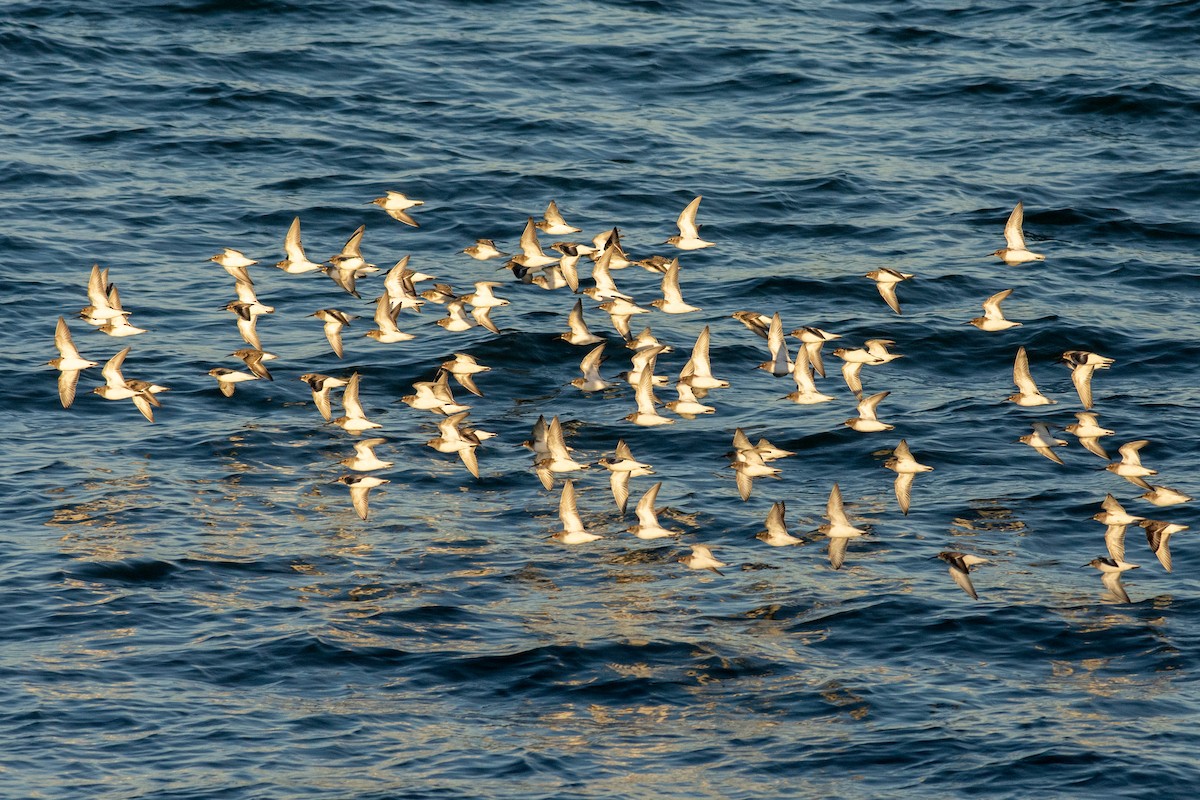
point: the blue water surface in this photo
(192, 607)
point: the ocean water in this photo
(193, 610)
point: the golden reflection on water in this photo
(990, 515)
(93, 529)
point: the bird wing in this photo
(963, 579)
(1114, 540)
(467, 382)
(114, 298)
(292, 246)
(352, 248)
(333, 333)
(383, 312)
(254, 363)
(112, 370)
(904, 484)
(645, 507)
(97, 290)
(851, 371)
(555, 217)
(575, 320)
(619, 481)
(529, 240)
(802, 371)
(469, 460)
(537, 437)
(813, 349)
(401, 216)
(745, 483)
(344, 278)
(366, 448)
(781, 361)
(991, 306)
(590, 365)
(358, 496)
(867, 406)
(481, 316)
(775, 519)
(67, 381)
(700, 359)
(1081, 376)
(394, 280)
(837, 551)
(321, 401)
(687, 220)
(602, 275)
(145, 402)
(245, 292)
(448, 427)
(247, 327)
(1110, 503)
(645, 392)
(684, 390)
(1021, 375)
(544, 474)
(1129, 452)
(570, 272)
(439, 388)
(350, 403)
(63, 341)
(887, 290)
(1048, 453)
(834, 509)
(1159, 543)
(567, 510)
(756, 322)
(670, 284)
(1013, 235)
(879, 347)
(556, 443)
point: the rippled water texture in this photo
(192, 608)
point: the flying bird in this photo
(776, 533)
(689, 232)
(886, 280)
(993, 318)
(1042, 440)
(360, 485)
(1083, 364)
(960, 569)
(906, 468)
(1014, 252)
(573, 531)
(69, 363)
(838, 529)
(1130, 466)
(396, 205)
(1027, 391)
(701, 557)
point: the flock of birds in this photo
(552, 457)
